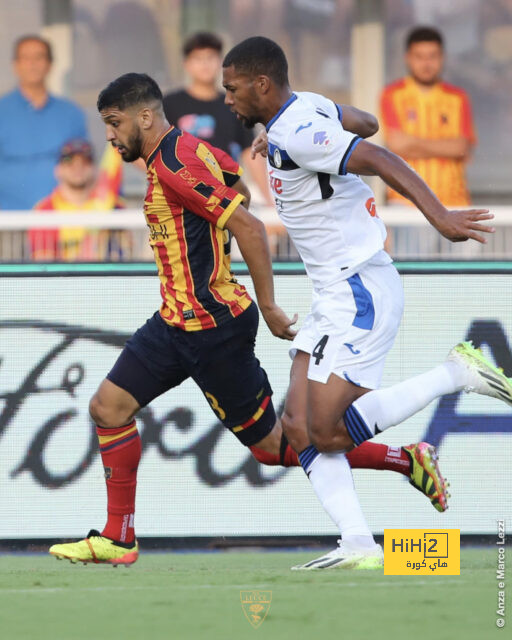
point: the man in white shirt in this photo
(338, 355)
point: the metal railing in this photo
(113, 236)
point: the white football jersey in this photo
(330, 215)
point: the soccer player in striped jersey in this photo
(207, 323)
(428, 122)
(334, 401)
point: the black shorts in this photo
(159, 357)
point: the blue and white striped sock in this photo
(307, 457)
(356, 426)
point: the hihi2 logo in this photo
(421, 552)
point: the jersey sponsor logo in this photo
(303, 126)
(320, 137)
(276, 184)
(277, 158)
(188, 177)
(371, 207)
(411, 115)
(157, 231)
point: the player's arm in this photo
(362, 123)
(251, 238)
(369, 159)
(240, 187)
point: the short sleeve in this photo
(195, 187)
(324, 147)
(231, 170)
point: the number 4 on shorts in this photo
(318, 351)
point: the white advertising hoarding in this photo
(59, 336)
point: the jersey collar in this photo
(151, 156)
(285, 106)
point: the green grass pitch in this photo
(181, 596)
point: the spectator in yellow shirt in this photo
(81, 188)
(428, 122)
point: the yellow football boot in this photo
(97, 549)
(426, 476)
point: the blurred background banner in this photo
(344, 49)
(195, 479)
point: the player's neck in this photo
(153, 138)
(36, 94)
(276, 102)
(201, 91)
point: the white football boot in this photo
(343, 558)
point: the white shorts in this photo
(352, 325)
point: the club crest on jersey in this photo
(277, 159)
(320, 137)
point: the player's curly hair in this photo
(129, 90)
(259, 56)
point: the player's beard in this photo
(249, 123)
(133, 146)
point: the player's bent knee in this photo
(328, 438)
(107, 415)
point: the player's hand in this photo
(260, 145)
(465, 224)
(279, 323)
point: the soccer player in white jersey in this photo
(334, 401)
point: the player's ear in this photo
(146, 118)
(262, 84)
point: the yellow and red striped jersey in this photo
(444, 111)
(188, 202)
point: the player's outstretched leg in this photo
(418, 462)
(97, 549)
(425, 474)
(465, 369)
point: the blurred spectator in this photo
(80, 190)
(33, 126)
(428, 122)
(199, 108)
